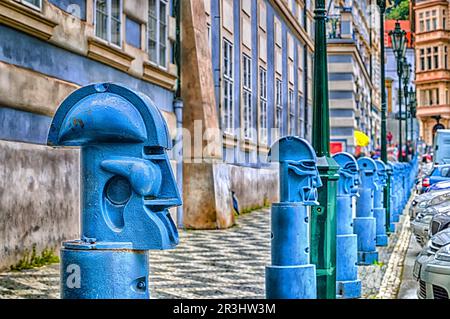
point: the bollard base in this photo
(346, 248)
(291, 282)
(392, 228)
(396, 218)
(367, 257)
(348, 289)
(382, 240)
(92, 273)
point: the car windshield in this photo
(443, 171)
(439, 199)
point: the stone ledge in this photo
(156, 75)
(102, 51)
(26, 20)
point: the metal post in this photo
(290, 274)
(323, 216)
(400, 144)
(405, 90)
(127, 188)
(386, 191)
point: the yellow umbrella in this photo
(361, 138)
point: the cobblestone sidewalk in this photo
(206, 264)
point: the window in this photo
(422, 59)
(35, 4)
(263, 105)
(227, 113)
(278, 106)
(421, 22)
(301, 120)
(429, 66)
(444, 19)
(446, 57)
(157, 32)
(436, 57)
(291, 112)
(108, 20)
(434, 19)
(247, 97)
(427, 20)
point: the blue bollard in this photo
(127, 186)
(398, 191)
(364, 223)
(290, 275)
(347, 285)
(390, 175)
(379, 212)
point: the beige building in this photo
(432, 45)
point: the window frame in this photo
(247, 94)
(228, 80)
(158, 35)
(263, 118)
(278, 118)
(32, 6)
(108, 23)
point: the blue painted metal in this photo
(379, 212)
(127, 186)
(347, 283)
(290, 275)
(393, 197)
(364, 225)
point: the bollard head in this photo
(349, 173)
(368, 172)
(299, 177)
(382, 173)
(127, 181)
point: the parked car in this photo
(421, 202)
(434, 282)
(439, 173)
(421, 224)
(439, 222)
(430, 285)
(438, 186)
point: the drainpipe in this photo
(178, 109)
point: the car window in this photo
(445, 172)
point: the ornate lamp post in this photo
(398, 37)
(387, 194)
(323, 216)
(406, 76)
(412, 111)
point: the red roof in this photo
(389, 25)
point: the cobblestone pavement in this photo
(393, 275)
(207, 264)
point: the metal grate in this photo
(439, 292)
(422, 289)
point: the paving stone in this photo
(226, 263)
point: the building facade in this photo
(432, 42)
(246, 75)
(354, 74)
(49, 48)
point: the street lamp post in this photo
(406, 75)
(323, 216)
(398, 37)
(387, 193)
(412, 111)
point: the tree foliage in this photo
(400, 11)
